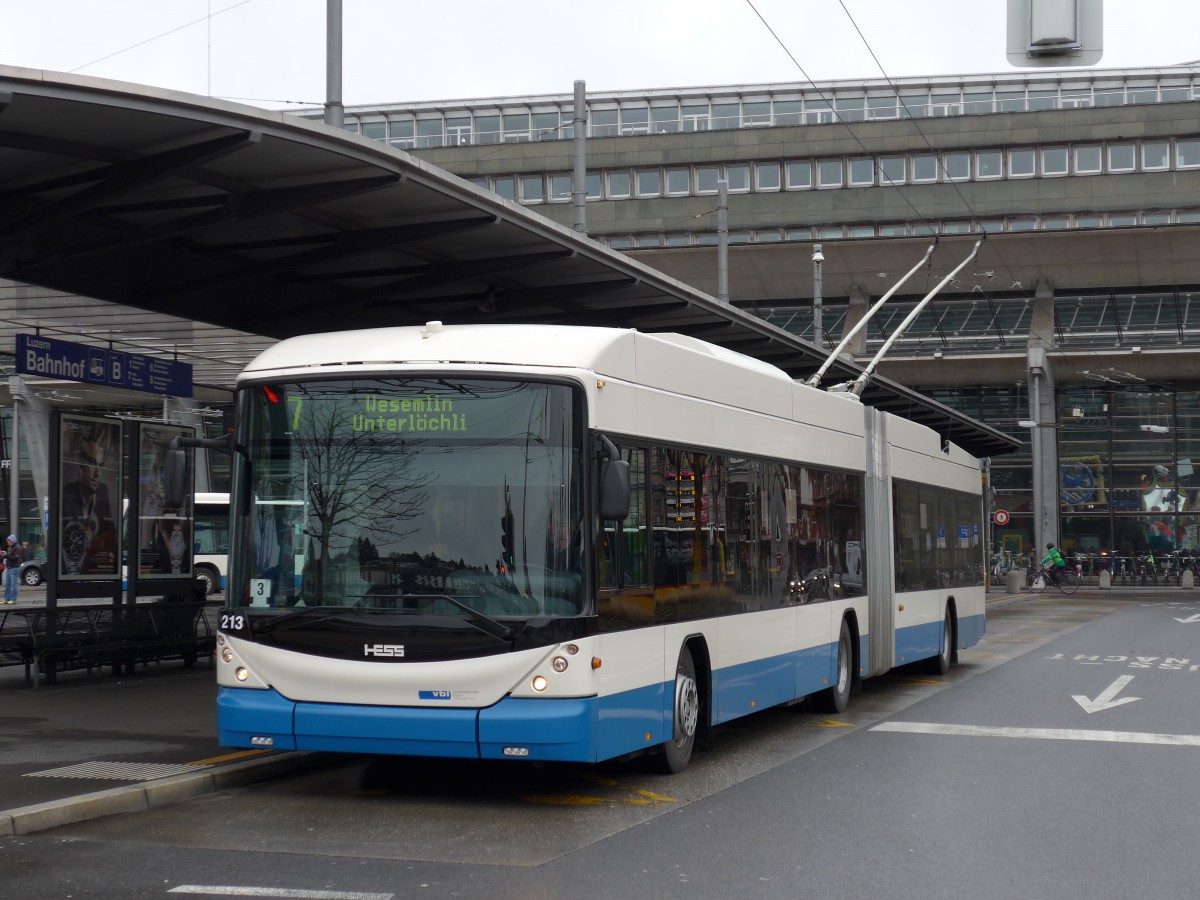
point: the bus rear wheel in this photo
(677, 752)
(836, 697)
(208, 577)
(940, 664)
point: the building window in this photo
(725, 115)
(1087, 159)
(924, 168)
(679, 182)
(817, 112)
(1089, 221)
(592, 185)
(1021, 163)
(799, 175)
(707, 178)
(402, 133)
(516, 128)
(895, 230)
(881, 107)
(545, 126)
(1156, 218)
(487, 129)
(1187, 154)
(602, 123)
(458, 131)
(648, 241)
(376, 131)
(649, 183)
(862, 172)
(1055, 223)
(1156, 155)
(850, 109)
(766, 176)
(695, 118)
(429, 132)
(738, 177)
(860, 231)
(679, 240)
(757, 112)
(789, 112)
(665, 119)
(891, 170)
(1023, 224)
(829, 233)
(1121, 158)
(533, 189)
(635, 120)
(958, 166)
(1010, 101)
(1043, 99)
(505, 186)
(829, 173)
(560, 187)
(946, 105)
(1054, 161)
(618, 184)
(989, 164)
(1122, 220)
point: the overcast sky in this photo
(271, 52)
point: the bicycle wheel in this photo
(1068, 582)
(1036, 582)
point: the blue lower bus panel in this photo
(566, 730)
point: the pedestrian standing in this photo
(13, 556)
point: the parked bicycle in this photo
(1066, 580)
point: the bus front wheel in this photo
(677, 752)
(836, 697)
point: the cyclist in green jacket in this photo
(1054, 563)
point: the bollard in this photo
(1013, 579)
(1105, 580)
(1187, 580)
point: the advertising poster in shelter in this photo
(164, 535)
(89, 498)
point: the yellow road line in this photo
(229, 757)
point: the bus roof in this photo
(606, 351)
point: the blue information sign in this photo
(54, 358)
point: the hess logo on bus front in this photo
(383, 650)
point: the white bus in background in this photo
(210, 540)
(499, 557)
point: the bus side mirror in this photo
(615, 492)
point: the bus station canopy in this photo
(272, 226)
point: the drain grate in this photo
(116, 771)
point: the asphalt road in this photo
(1055, 761)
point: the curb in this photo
(150, 794)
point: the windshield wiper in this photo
(263, 624)
(482, 621)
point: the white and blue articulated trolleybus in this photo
(570, 543)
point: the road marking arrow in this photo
(1105, 699)
(1195, 618)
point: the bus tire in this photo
(676, 752)
(940, 664)
(209, 577)
(836, 697)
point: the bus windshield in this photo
(427, 496)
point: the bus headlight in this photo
(559, 663)
(540, 683)
(242, 673)
(226, 654)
